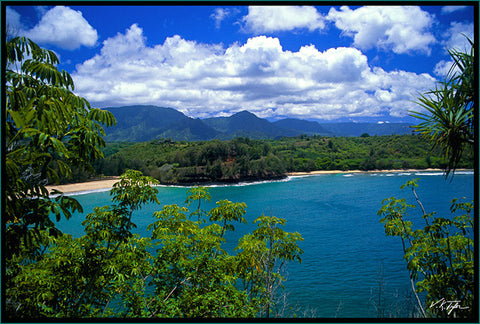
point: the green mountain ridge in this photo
(144, 123)
(247, 124)
(304, 126)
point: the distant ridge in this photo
(303, 126)
(357, 129)
(141, 123)
(247, 124)
(144, 123)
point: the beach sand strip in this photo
(292, 174)
(85, 186)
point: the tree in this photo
(449, 118)
(106, 272)
(101, 274)
(49, 131)
(197, 194)
(440, 256)
(196, 277)
(45, 124)
(264, 253)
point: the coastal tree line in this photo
(244, 159)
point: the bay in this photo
(349, 268)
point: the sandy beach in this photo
(106, 183)
(292, 174)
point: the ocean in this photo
(349, 268)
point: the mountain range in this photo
(145, 123)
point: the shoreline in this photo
(97, 184)
(108, 183)
(296, 174)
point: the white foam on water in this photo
(429, 173)
(85, 192)
(302, 176)
(250, 183)
(239, 184)
(464, 172)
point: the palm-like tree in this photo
(449, 119)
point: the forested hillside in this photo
(244, 159)
(146, 123)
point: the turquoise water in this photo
(347, 258)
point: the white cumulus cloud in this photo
(63, 27)
(450, 9)
(402, 29)
(267, 19)
(442, 68)
(455, 38)
(219, 14)
(258, 75)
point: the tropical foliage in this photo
(182, 270)
(440, 256)
(245, 159)
(448, 120)
(48, 131)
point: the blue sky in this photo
(330, 63)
